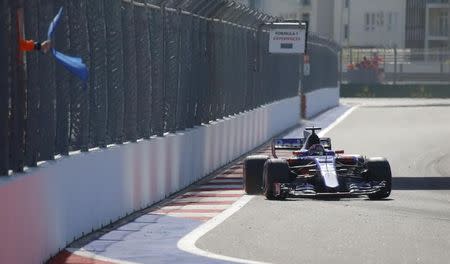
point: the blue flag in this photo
(74, 64)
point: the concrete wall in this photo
(318, 101)
(46, 208)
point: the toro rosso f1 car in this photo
(311, 168)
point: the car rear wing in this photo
(295, 144)
(286, 144)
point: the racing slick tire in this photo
(275, 171)
(253, 173)
(378, 169)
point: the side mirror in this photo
(339, 151)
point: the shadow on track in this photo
(421, 183)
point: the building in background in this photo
(437, 24)
(413, 24)
(368, 23)
(319, 13)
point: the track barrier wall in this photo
(46, 208)
(177, 89)
(318, 101)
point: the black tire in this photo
(253, 173)
(275, 171)
(378, 169)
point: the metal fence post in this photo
(32, 122)
(395, 64)
(5, 22)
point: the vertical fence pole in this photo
(5, 20)
(395, 64)
(17, 93)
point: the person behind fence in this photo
(31, 45)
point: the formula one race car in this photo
(312, 168)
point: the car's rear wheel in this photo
(378, 169)
(275, 171)
(253, 173)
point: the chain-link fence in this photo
(155, 67)
(396, 66)
(323, 58)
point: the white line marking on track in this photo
(187, 243)
(339, 120)
(92, 256)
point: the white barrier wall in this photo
(48, 207)
(316, 102)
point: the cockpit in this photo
(316, 150)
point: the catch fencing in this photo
(391, 65)
(156, 66)
(324, 63)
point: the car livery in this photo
(311, 168)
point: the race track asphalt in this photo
(413, 226)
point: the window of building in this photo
(372, 22)
(306, 2)
(347, 3)
(346, 31)
(380, 19)
(443, 23)
(366, 21)
(305, 16)
(389, 21)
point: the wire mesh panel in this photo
(157, 54)
(47, 88)
(98, 79)
(129, 71)
(171, 70)
(324, 65)
(5, 79)
(154, 67)
(114, 71)
(63, 81)
(79, 112)
(16, 97)
(32, 86)
(143, 72)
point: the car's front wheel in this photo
(378, 170)
(275, 171)
(253, 173)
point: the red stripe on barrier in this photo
(222, 183)
(216, 189)
(212, 195)
(187, 211)
(201, 203)
(66, 257)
